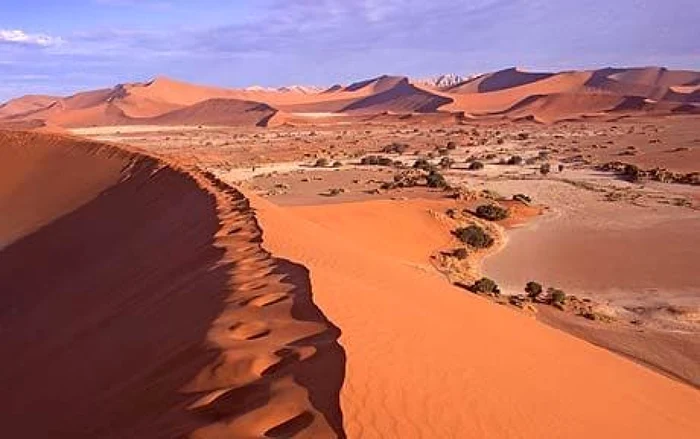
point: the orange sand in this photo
(424, 359)
(144, 307)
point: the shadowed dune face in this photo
(145, 307)
(34, 165)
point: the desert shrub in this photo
(395, 147)
(515, 160)
(556, 296)
(474, 236)
(491, 156)
(522, 198)
(533, 289)
(337, 164)
(491, 212)
(545, 168)
(476, 165)
(632, 173)
(436, 180)
(446, 162)
(523, 136)
(423, 164)
(461, 253)
(485, 285)
(561, 168)
(451, 145)
(321, 163)
(334, 192)
(375, 160)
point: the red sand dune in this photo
(228, 112)
(137, 302)
(26, 104)
(500, 80)
(492, 94)
(425, 359)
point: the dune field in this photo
(179, 260)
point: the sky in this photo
(59, 47)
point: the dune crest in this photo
(142, 305)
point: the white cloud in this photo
(16, 36)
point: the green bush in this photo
(515, 160)
(376, 160)
(533, 289)
(485, 285)
(476, 166)
(556, 296)
(474, 236)
(423, 164)
(436, 180)
(491, 212)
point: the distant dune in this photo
(220, 111)
(499, 94)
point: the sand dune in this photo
(487, 95)
(425, 359)
(401, 97)
(26, 104)
(137, 302)
(500, 80)
(228, 112)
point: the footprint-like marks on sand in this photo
(248, 330)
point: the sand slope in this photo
(226, 112)
(144, 306)
(424, 359)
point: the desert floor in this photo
(630, 249)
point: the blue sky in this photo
(58, 47)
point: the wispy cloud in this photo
(20, 37)
(276, 42)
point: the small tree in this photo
(491, 212)
(545, 168)
(556, 296)
(474, 236)
(486, 286)
(436, 180)
(533, 289)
